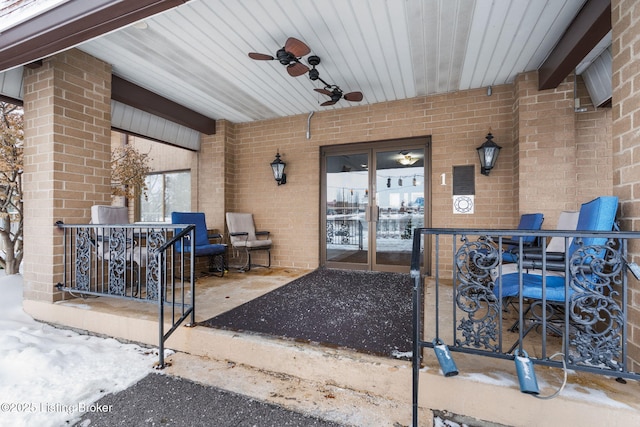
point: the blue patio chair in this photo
(583, 254)
(555, 250)
(531, 221)
(215, 252)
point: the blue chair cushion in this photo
(510, 256)
(204, 250)
(529, 222)
(203, 247)
(510, 286)
(532, 286)
(596, 215)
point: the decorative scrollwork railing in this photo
(575, 307)
(595, 311)
(134, 262)
(475, 295)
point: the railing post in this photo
(417, 324)
(161, 288)
(193, 276)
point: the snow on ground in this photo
(49, 375)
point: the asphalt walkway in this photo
(163, 400)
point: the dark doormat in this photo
(364, 311)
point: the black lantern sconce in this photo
(278, 170)
(488, 153)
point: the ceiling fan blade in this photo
(296, 47)
(260, 56)
(297, 69)
(326, 104)
(353, 96)
(323, 91)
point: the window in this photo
(167, 192)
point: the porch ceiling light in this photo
(407, 159)
(278, 170)
(488, 154)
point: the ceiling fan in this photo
(336, 94)
(332, 91)
(288, 55)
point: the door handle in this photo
(375, 214)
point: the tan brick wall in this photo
(544, 142)
(546, 148)
(457, 123)
(626, 144)
(594, 155)
(562, 158)
(67, 139)
(211, 165)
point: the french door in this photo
(373, 196)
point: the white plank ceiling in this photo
(196, 53)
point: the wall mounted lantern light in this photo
(488, 153)
(278, 170)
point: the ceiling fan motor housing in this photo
(284, 57)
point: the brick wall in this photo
(546, 154)
(626, 144)
(456, 122)
(544, 142)
(211, 191)
(67, 153)
(594, 155)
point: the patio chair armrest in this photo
(515, 242)
(536, 255)
(262, 233)
(509, 241)
(238, 234)
(554, 261)
(214, 236)
(537, 265)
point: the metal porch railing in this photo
(345, 232)
(353, 232)
(470, 312)
(133, 262)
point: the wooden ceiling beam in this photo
(145, 100)
(591, 24)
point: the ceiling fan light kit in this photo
(291, 53)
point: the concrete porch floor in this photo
(342, 385)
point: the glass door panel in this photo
(373, 197)
(347, 201)
(399, 201)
